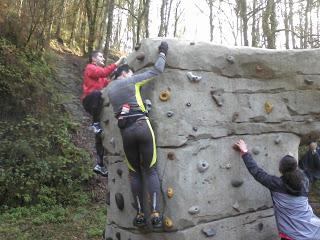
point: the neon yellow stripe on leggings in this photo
(128, 164)
(154, 157)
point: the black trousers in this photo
(93, 105)
(140, 150)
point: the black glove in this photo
(163, 47)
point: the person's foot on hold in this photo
(101, 170)
(156, 221)
(96, 127)
(140, 220)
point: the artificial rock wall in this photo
(217, 95)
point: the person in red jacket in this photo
(96, 77)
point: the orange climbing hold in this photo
(268, 107)
(170, 192)
(164, 95)
(168, 222)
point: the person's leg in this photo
(99, 167)
(131, 150)
(147, 148)
(93, 105)
(99, 149)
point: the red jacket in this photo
(96, 78)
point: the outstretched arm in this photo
(267, 180)
(98, 72)
(158, 68)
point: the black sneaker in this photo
(140, 221)
(157, 222)
(101, 170)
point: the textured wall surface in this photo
(269, 98)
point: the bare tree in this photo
(92, 10)
(269, 24)
(177, 15)
(109, 28)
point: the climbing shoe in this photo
(101, 170)
(156, 221)
(139, 221)
(96, 127)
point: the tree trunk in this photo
(92, 16)
(177, 16)
(306, 24)
(146, 18)
(162, 18)
(60, 19)
(244, 17)
(254, 42)
(167, 19)
(210, 3)
(109, 28)
(293, 40)
(269, 24)
(286, 24)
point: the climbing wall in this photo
(209, 97)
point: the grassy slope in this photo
(83, 218)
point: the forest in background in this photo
(121, 24)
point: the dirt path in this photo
(68, 72)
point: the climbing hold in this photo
(188, 104)
(202, 165)
(164, 95)
(230, 59)
(137, 46)
(140, 56)
(171, 156)
(119, 172)
(112, 142)
(259, 68)
(268, 107)
(119, 201)
(168, 222)
(308, 81)
(194, 210)
(277, 140)
(169, 113)
(236, 206)
(170, 192)
(309, 120)
(217, 96)
(193, 78)
(255, 150)
(260, 227)
(235, 116)
(195, 129)
(236, 183)
(148, 104)
(227, 166)
(118, 236)
(208, 231)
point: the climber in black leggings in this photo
(137, 134)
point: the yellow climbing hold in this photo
(164, 95)
(168, 222)
(268, 107)
(170, 192)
